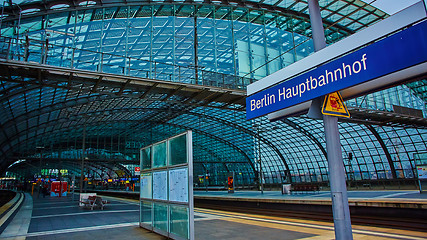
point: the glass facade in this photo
(207, 45)
(198, 43)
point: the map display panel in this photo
(160, 187)
(146, 185)
(178, 185)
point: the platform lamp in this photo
(258, 131)
(40, 149)
(83, 159)
(85, 117)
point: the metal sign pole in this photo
(340, 208)
(73, 184)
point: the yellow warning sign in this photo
(334, 105)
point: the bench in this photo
(94, 201)
(305, 188)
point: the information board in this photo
(178, 187)
(160, 185)
(422, 172)
(146, 185)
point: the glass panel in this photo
(161, 216)
(179, 221)
(146, 158)
(146, 217)
(159, 155)
(178, 150)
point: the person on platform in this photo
(45, 190)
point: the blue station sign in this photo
(396, 52)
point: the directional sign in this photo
(137, 170)
(334, 105)
(397, 52)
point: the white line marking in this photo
(206, 216)
(393, 195)
(127, 201)
(320, 194)
(82, 229)
(61, 207)
(37, 205)
(77, 206)
(84, 213)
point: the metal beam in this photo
(308, 134)
(385, 149)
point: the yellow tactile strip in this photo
(6, 206)
(323, 230)
(392, 203)
(19, 197)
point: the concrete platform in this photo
(392, 198)
(62, 218)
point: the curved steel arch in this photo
(219, 139)
(308, 134)
(62, 105)
(210, 136)
(95, 164)
(15, 168)
(242, 129)
(24, 88)
(53, 123)
(253, 134)
(209, 151)
(384, 148)
(56, 106)
(121, 167)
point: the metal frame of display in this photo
(149, 184)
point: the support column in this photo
(340, 208)
(260, 175)
(196, 47)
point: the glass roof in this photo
(348, 15)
